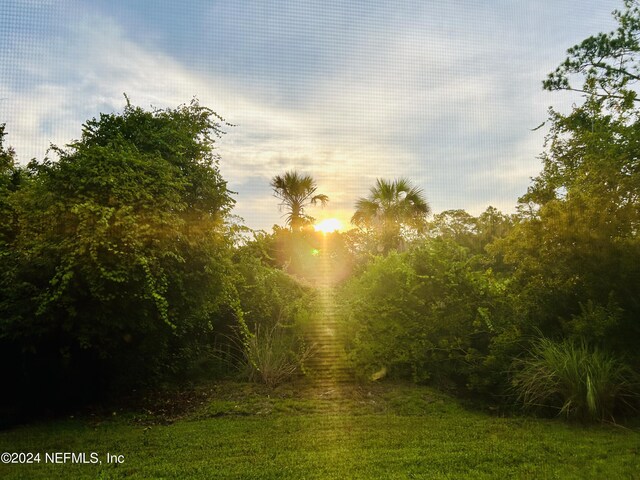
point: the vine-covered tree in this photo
(10, 177)
(297, 192)
(121, 254)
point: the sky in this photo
(445, 93)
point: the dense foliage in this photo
(475, 303)
(430, 314)
(118, 262)
(119, 266)
(276, 309)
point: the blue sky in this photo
(445, 93)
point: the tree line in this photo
(121, 265)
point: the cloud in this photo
(443, 95)
(100, 63)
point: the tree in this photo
(575, 253)
(10, 178)
(468, 231)
(608, 62)
(457, 225)
(297, 192)
(391, 209)
(120, 264)
(581, 244)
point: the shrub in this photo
(578, 381)
(273, 311)
(425, 315)
(272, 355)
(120, 256)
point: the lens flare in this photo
(329, 225)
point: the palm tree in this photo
(390, 208)
(297, 192)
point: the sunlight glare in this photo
(328, 225)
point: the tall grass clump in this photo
(272, 355)
(579, 381)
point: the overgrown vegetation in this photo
(116, 260)
(120, 266)
(462, 305)
(427, 314)
(274, 311)
(272, 355)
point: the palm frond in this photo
(296, 192)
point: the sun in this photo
(328, 225)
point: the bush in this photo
(272, 355)
(118, 258)
(426, 315)
(273, 311)
(578, 381)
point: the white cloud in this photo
(101, 64)
(450, 110)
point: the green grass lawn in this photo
(380, 431)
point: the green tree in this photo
(474, 233)
(607, 62)
(119, 266)
(11, 176)
(575, 253)
(457, 225)
(579, 241)
(296, 193)
(392, 209)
